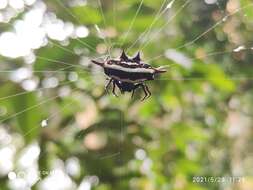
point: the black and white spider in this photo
(128, 74)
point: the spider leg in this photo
(118, 85)
(148, 91)
(113, 89)
(108, 85)
(133, 91)
(145, 91)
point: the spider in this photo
(128, 74)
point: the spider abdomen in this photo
(131, 77)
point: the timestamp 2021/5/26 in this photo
(217, 179)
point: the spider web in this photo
(143, 39)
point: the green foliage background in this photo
(198, 121)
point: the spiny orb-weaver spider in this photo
(128, 74)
